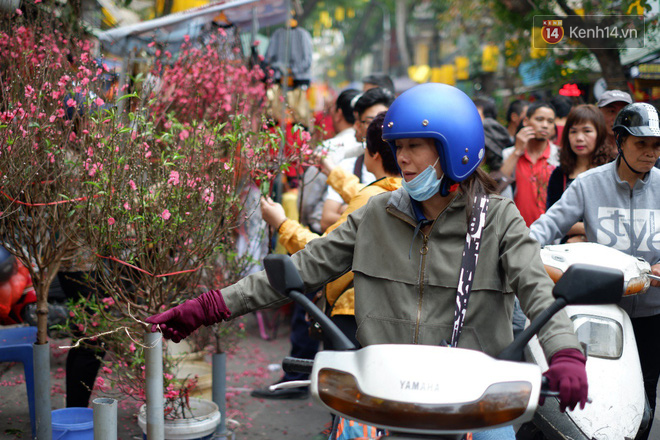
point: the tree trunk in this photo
(611, 68)
(308, 8)
(42, 287)
(357, 43)
(42, 313)
(401, 18)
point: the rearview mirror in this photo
(580, 284)
(282, 274)
(588, 284)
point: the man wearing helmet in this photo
(409, 287)
(620, 205)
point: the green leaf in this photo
(96, 184)
(130, 95)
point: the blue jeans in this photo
(505, 433)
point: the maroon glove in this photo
(179, 322)
(568, 375)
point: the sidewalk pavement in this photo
(247, 369)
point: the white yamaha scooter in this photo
(619, 410)
(432, 392)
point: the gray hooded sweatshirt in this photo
(614, 215)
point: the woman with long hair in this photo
(584, 147)
(405, 249)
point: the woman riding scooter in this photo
(405, 248)
(619, 203)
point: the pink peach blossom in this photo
(174, 178)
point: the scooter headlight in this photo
(500, 403)
(602, 336)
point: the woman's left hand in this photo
(568, 375)
(272, 212)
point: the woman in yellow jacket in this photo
(379, 161)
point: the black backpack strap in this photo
(469, 263)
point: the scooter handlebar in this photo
(545, 388)
(297, 365)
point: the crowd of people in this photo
(405, 177)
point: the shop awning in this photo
(170, 31)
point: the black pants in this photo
(82, 363)
(302, 345)
(648, 344)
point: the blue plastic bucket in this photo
(73, 424)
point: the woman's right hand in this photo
(179, 322)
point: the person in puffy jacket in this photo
(404, 248)
(379, 160)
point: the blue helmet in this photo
(445, 114)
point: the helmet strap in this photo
(627, 164)
(445, 186)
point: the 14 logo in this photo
(552, 31)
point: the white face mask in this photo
(425, 185)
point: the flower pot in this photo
(200, 426)
(182, 351)
(188, 369)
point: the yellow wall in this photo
(182, 5)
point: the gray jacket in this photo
(300, 53)
(608, 207)
(411, 299)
